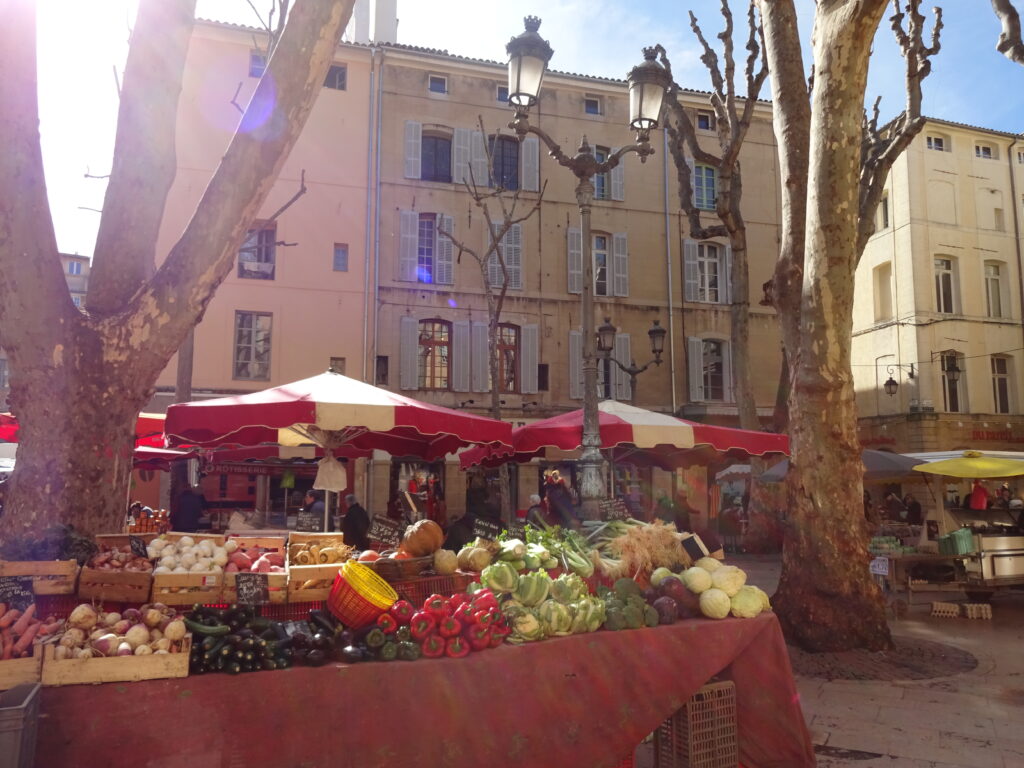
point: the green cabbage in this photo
(715, 604)
(729, 579)
(746, 603)
(500, 577)
(696, 579)
(526, 628)
(532, 588)
(659, 575)
(709, 564)
(568, 588)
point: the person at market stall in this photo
(536, 511)
(559, 501)
(913, 507)
(979, 496)
(893, 507)
(460, 531)
(356, 524)
(191, 505)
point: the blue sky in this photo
(81, 42)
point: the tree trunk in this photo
(826, 599)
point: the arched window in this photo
(508, 357)
(434, 358)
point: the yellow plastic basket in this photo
(369, 585)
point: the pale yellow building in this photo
(938, 297)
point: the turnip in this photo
(142, 650)
(152, 617)
(125, 649)
(62, 652)
(220, 556)
(198, 568)
(85, 653)
(121, 627)
(188, 560)
(154, 635)
(157, 653)
(134, 615)
(180, 569)
(137, 635)
(83, 617)
(230, 546)
(161, 569)
(163, 644)
(98, 633)
(73, 637)
(175, 631)
(107, 645)
(110, 619)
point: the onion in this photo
(163, 644)
(107, 645)
(158, 544)
(161, 569)
(85, 653)
(137, 635)
(111, 618)
(134, 615)
(168, 561)
(186, 541)
(175, 630)
(188, 560)
(83, 617)
(125, 649)
(180, 569)
(220, 557)
(142, 650)
(230, 546)
(152, 617)
(199, 568)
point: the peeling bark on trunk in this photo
(78, 380)
(826, 598)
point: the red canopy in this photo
(149, 429)
(625, 429)
(357, 414)
(146, 457)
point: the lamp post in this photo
(528, 56)
(606, 346)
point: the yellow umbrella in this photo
(974, 464)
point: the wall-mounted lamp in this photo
(464, 403)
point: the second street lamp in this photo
(606, 346)
(528, 56)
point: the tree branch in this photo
(1009, 44)
(145, 162)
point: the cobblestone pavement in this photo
(963, 718)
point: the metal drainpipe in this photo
(367, 228)
(376, 246)
(668, 274)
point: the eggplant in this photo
(345, 637)
(323, 622)
(321, 642)
(350, 654)
(316, 658)
(301, 642)
(299, 655)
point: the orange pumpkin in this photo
(422, 538)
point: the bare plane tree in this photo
(78, 379)
(501, 210)
(1010, 43)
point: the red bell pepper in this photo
(498, 635)
(479, 637)
(433, 646)
(464, 614)
(402, 611)
(456, 600)
(387, 623)
(437, 607)
(456, 647)
(484, 600)
(422, 624)
(449, 626)
(483, 618)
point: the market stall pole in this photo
(583, 700)
(528, 56)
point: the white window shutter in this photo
(408, 242)
(529, 358)
(460, 356)
(481, 365)
(444, 262)
(478, 159)
(530, 153)
(623, 391)
(513, 252)
(575, 365)
(695, 366)
(958, 307)
(728, 395)
(460, 155)
(620, 264)
(413, 148)
(575, 261)
(494, 276)
(409, 350)
(618, 179)
(691, 275)
(726, 278)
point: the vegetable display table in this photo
(584, 700)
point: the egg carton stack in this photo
(977, 611)
(189, 568)
(946, 610)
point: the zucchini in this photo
(215, 652)
(201, 629)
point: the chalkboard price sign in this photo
(517, 531)
(309, 521)
(614, 509)
(486, 529)
(385, 533)
(138, 545)
(252, 588)
(16, 591)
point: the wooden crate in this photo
(115, 669)
(108, 541)
(214, 538)
(49, 577)
(187, 588)
(17, 671)
(300, 574)
(320, 539)
(115, 586)
(272, 543)
(277, 586)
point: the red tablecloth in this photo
(585, 701)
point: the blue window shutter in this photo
(623, 391)
(531, 164)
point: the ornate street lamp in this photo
(606, 345)
(528, 56)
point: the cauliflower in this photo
(729, 579)
(696, 579)
(709, 564)
(714, 603)
(747, 603)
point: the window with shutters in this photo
(503, 93)
(425, 255)
(74, 267)
(252, 346)
(434, 354)
(257, 64)
(952, 393)
(712, 369)
(505, 158)
(1001, 383)
(602, 185)
(946, 299)
(341, 257)
(601, 265)
(704, 187)
(592, 105)
(436, 156)
(512, 254)
(508, 357)
(337, 77)
(993, 289)
(257, 256)
(426, 247)
(709, 270)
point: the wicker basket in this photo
(401, 570)
(359, 595)
(703, 733)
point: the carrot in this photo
(3, 608)
(50, 628)
(9, 618)
(21, 625)
(8, 645)
(25, 641)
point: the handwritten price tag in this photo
(252, 588)
(16, 591)
(385, 533)
(486, 529)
